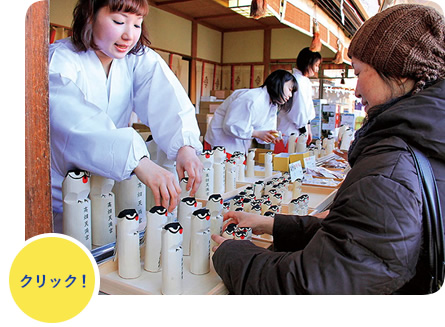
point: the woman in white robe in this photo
(297, 120)
(96, 79)
(251, 113)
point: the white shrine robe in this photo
(90, 112)
(234, 121)
(302, 110)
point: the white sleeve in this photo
(161, 103)
(285, 123)
(270, 123)
(310, 110)
(238, 119)
(296, 117)
(302, 110)
(83, 136)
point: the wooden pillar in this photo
(232, 77)
(222, 62)
(170, 60)
(38, 210)
(214, 76)
(266, 53)
(202, 77)
(193, 62)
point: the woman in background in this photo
(297, 120)
(251, 113)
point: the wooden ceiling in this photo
(215, 14)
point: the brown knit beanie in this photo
(405, 40)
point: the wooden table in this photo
(150, 283)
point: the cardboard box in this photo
(281, 161)
(221, 94)
(209, 107)
(298, 156)
(143, 130)
(203, 122)
(259, 154)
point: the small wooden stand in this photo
(150, 283)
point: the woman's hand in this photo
(322, 214)
(188, 161)
(164, 185)
(341, 153)
(271, 136)
(309, 134)
(259, 224)
(218, 239)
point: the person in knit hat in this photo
(404, 41)
(371, 241)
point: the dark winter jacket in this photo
(371, 240)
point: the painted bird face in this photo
(216, 198)
(207, 153)
(190, 201)
(79, 174)
(129, 214)
(160, 210)
(202, 214)
(174, 228)
(229, 232)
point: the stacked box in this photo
(281, 161)
(203, 122)
(209, 107)
(221, 94)
(259, 155)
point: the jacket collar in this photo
(417, 119)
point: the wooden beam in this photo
(224, 3)
(182, 15)
(214, 77)
(232, 77)
(216, 16)
(172, 2)
(257, 28)
(193, 62)
(202, 77)
(38, 210)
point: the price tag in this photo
(295, 170)
(309, 162)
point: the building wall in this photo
(286, 43)
(61, 11)
(244, 46)
(209, 44)
(169, 32)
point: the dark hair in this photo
(85, 13)
(275, 85)
(307, 59)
